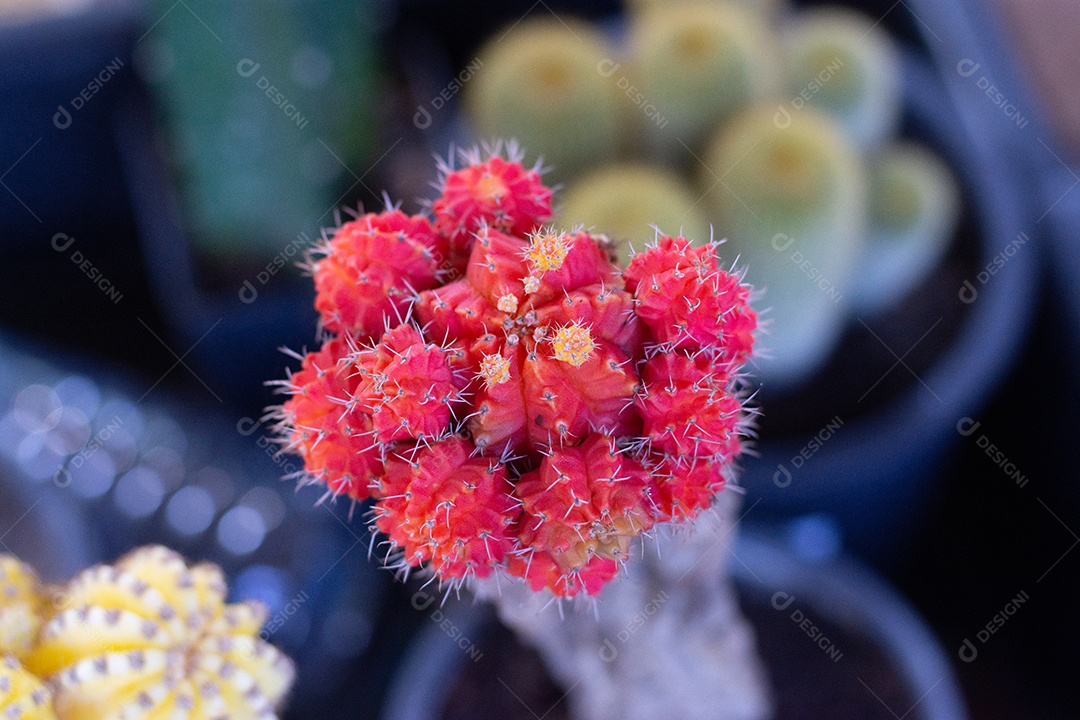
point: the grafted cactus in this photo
(536, 408)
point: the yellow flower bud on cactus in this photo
(151, 637)
(22, 696)
(20, 606)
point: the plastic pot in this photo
(101, 463)
(858, 622)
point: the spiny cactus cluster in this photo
(776, 123)
(509, 397)
(147, 637)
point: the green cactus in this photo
(768, 8)
(914, 210)
(541, 84)
(627, 201)
(792, 202)
(844, 64)
(699, 64)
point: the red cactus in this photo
(497, 194)
(686, 407)
(581, 509)
(370, 268)
(446, 507)
(328, 431)
(549, 408)
(408, 387)
(687, 302)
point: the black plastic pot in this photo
(871, 468)
(841, 598)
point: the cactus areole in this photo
(509, 398)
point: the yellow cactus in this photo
(21, 602)
(150, 637)
(22, 695)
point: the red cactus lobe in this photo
(449, 508)
(330, 433)
(581, 509)
(408, 387)
(688, 408)
(681, 488)
(498, 194)
(687, 302)
(370, 269)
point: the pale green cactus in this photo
(792, 201)
(542, 83)
(698, 64)
(767, 8)
(914, 210)
(844, 64)
(627, 201)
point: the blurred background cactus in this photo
(914, 210)
(695, 87)
(542, 84)
(843, 63)
(699, 64)
(627, 202)
(792, 202)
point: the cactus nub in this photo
(699, 64)
(793, 205)
(848, 67)
(915, 207)
(540, 84)
(626, 202)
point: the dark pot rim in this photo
(843, 591)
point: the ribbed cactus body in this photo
(699, 64)
(793, 207)
(152, 637)
(844, 64)
(914, 210)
